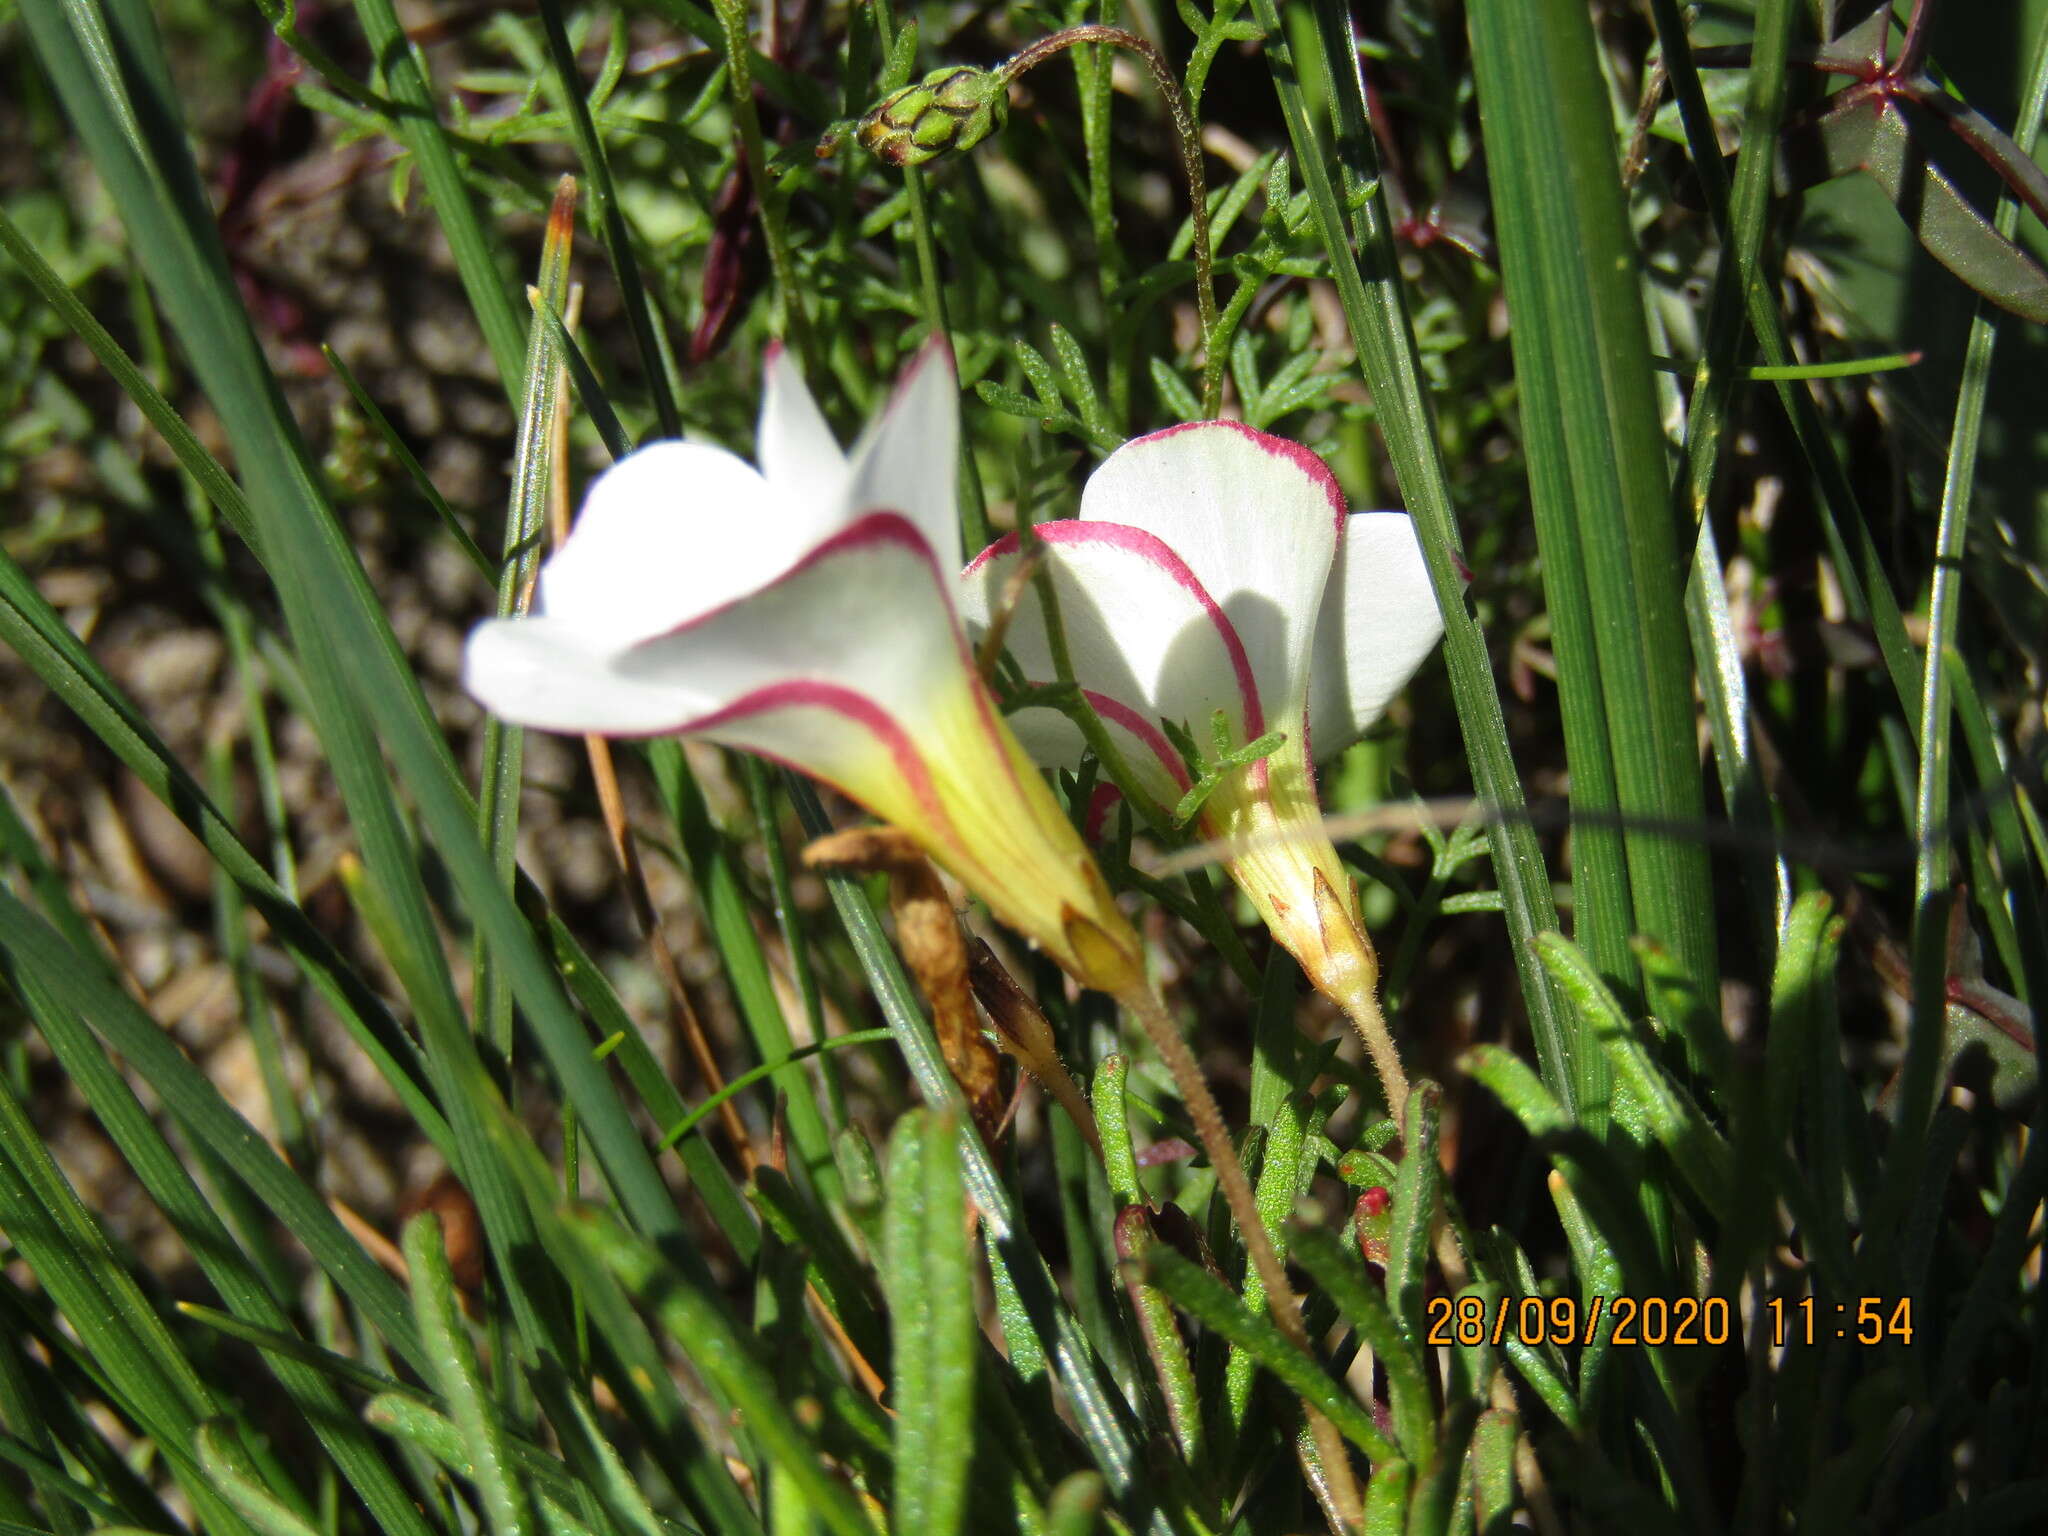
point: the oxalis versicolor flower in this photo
(804, 610)
(1217, 568)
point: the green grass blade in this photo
(38, 635)
(1696, 1149)
(526, 532)
(719, 1349)
(239, 1284)
(191, 454)
(1721, 367)
(1599, 477)
(418, 127)
(415, 471)
(789, 922)
(611, 1023)
(641, 317)
(149, 1377)
(82, 986)
(1416, 1193)
(228, 1467)
(371, 700)
(1920, 1076)
(713, 867)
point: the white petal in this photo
(666, 534)
(857, 643)
(908, 461)
(545, 672)
(1254, 517)
(798, 452)
(1379, 622)
(1143, 636)
(860, 627)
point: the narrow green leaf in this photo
(713, 866)
(145, 1372)
(1415, 1206)
(1386, 1498)
(239, 1282)
(718, 1348)
(409, 462)
(930, 1280)
(1435, 1500)
(1397, 1352)
(1205, 1299)
(191, 454)
(610, 1021)
(1019, 1268)
(1076, 1506)
(227, 1465)
(1113, 1129)
(526, 524)
(37, 634)
(641, 317)
(1279, 1179)
(829, 1264)
(85, 989)
(1702, 1158)
(1493, 1471)
(452, 1366)
(1161, 1334)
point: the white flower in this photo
(804, 611)
(1214, 567)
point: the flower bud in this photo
(951, 108)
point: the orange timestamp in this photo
(1866, 1320)
(1657, 1321)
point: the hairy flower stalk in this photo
(805, 611)
(1215, 590)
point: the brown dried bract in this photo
(1026, 1035)
(929, 939)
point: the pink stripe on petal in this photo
(807, 693)
(1121, 715)
(871, 530)
(1105, 799)
(1301, 458)
(1157, 553)
(1006, 545)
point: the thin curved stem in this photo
(739, 53)
(1362, 1008)
(1214, 1135)
(1191, 166)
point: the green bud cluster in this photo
(955, 107)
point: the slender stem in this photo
(1281, 1301)
(974, 530)
(1361, 1005)
(1092, 73)
(739, 61)
(1914, 49)
(1191, 166)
